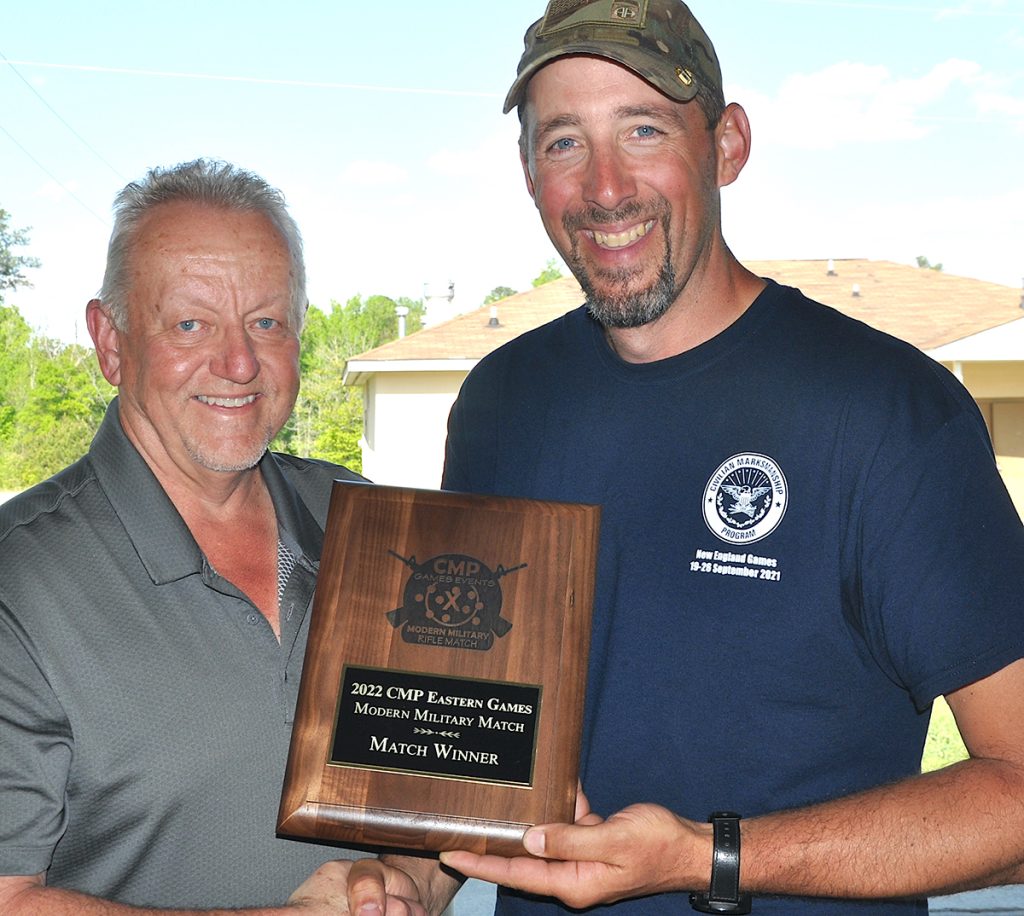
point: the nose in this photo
(235, 358)
(609, 180)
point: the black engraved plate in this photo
(436, 726)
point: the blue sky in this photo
(881, 129)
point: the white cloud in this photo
(855, 103)
(462, 214)
(973, 236)
(478, 161)
(367, 173)
(975, 8)
(998, 104)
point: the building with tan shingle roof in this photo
(973, 327)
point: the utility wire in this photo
(304, 84)
(83, 204)
(949, 12)
(58, 116)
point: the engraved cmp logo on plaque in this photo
(452, 601)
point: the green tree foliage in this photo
(499, 292)
(11, 264)
(550, 272)
(14, 372)
(925, 264)
(52, 398)
(328, 418)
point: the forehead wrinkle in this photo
(668, 111)
(224, 263)
(210, 280)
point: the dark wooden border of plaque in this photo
(441, 702)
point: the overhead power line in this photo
(946, 11)
(45, 170)
(217, 77)
(58, 116)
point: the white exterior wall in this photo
(405, 426)
(991, 380)
(998, 387)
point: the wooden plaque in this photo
(442, 692)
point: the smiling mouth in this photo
(614, 240)
(225, 402)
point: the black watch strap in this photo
(724, 895)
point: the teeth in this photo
(622, 239)
(225, 402)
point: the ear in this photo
(106, 340)
(732, 137)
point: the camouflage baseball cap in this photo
(659, 40)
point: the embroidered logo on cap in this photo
(629, 12)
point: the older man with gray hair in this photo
(155, 595)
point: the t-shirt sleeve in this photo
(455, 476)
(35, 757)
(941, 548)
(472, 434)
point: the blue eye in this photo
(266, 324)
(646, 130)
(189, 324)
(561, 146)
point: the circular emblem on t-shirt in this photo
(745, 498)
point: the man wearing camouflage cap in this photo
(805, 540)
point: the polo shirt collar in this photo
(158, 533)
(294, 519)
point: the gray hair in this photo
(203, 181)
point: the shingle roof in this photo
(928, 308)
(924, 307)
(470, 336)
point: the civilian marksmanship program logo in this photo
(745, 498)
(452, 601)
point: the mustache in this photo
(597, 216)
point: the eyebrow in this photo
(557, 123)
(660, 112)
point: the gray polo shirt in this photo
(145, 704)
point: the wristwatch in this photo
(724, 894)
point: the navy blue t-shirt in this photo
(804, 541)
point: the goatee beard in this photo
(616, 304)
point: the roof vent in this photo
(402, 311)
(493, 322)
(831, 267)
(856, 291)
